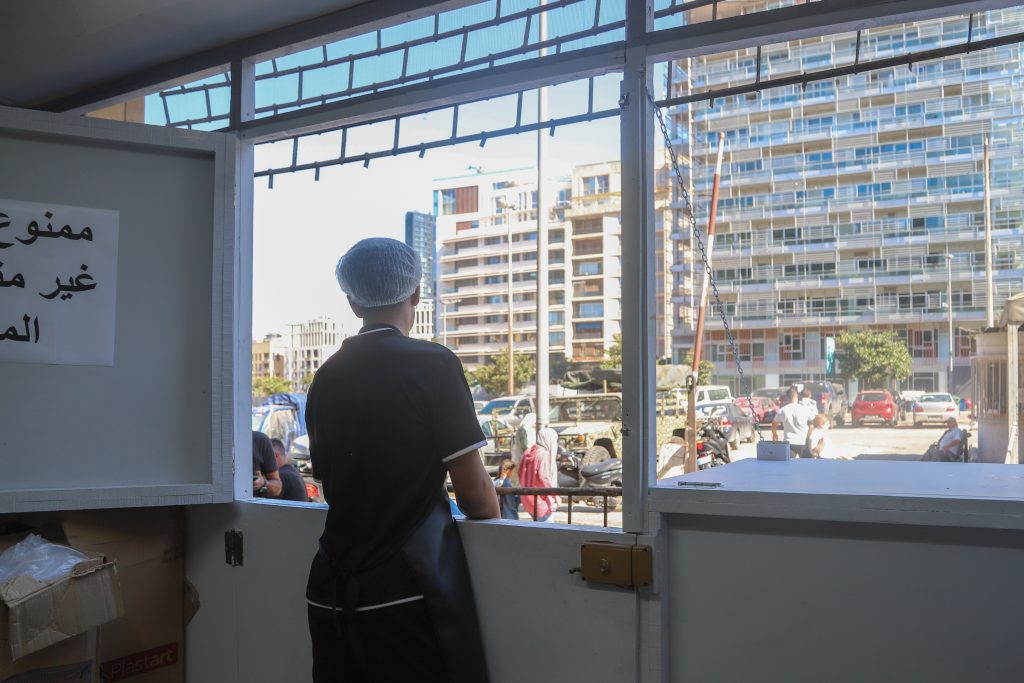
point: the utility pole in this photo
(543, 370)
(990, 314)
(511, 357)
(690, 465)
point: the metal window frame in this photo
(635, 57)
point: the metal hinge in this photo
(627, 566)
(233, 547)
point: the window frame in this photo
(635, 57)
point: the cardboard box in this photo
(73, 660)
(39, 622)
(146, 645)
(40, 614)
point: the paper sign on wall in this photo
(58, 283)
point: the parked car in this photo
(713, 394)
(774, 398)
(830, 397)
(508, 411)
(875, 405)
(935, 408)
(739, 424)
(764, 408)
(581, 420)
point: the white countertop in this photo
(929, 493)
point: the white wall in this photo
(778, 600)
(539, 622)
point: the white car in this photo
(935, 408)
(507, 410)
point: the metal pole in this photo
(990, 314)
(949, 318)
(444, 324)
(543, 357)
(698, 342)
(511, 357)
(1012, 394)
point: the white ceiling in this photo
(53, 48)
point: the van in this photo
(713, 394)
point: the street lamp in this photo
(949, 318)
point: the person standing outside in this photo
(818, 443)
(292, 485)
(539, 469)
(794, 420)
(389, 417)
(266, 482)
(509, 504)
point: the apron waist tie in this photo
(345, 618)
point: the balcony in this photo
(594, 204)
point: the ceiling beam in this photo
(367, 16)
(825, 17)
(476, 85)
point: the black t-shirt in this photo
(384, 415)
(263, 460)
(292, 485)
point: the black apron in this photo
(433, 553)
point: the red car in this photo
(875, 405)
(764, 408)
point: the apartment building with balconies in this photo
(483, 219)
(840, 202)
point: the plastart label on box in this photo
(140, 663)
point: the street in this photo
(904, 442)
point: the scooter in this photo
(712, 446)
(595, 475)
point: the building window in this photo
(460, 200)
(590, 310)
(590, 268)
(588, 330)
(596, 184)
(791, 347)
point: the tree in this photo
(614, 359)
(266, 386)
(493, 376)
(872, 357)
(705, 369)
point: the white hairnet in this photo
(378, 271)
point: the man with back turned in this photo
(388, 418)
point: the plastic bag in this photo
(38, 558)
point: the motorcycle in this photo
(712, 446)
(600, 470)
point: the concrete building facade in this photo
(482, 220)
(840, 202)
(311, 343)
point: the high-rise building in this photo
(311, 343)
(483, 219)
(842, 203)
(421, 235)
